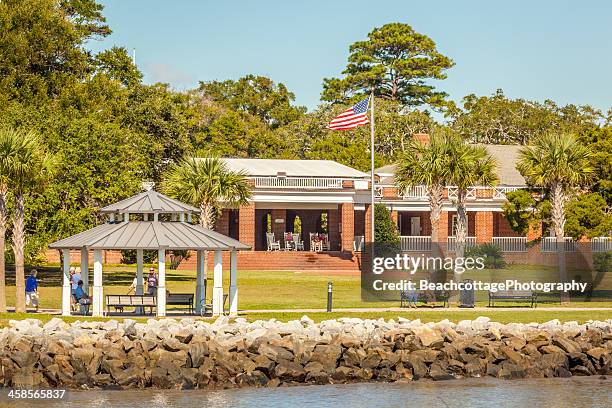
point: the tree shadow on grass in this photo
(52, 276)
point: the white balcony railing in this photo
(298, 182)
(452, 243)
(601, 244)
(549, 244)
(511, 244)
(454, 191)
(415, 193)
(415, 243)
(499, 193)
(378, 192)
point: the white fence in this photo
(500, 192)
(415, 192)
(454, 191)
(549, 244)
(452, 243)
(297, 182)
(511, 244)
(415, 243)
(601, 244)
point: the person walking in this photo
(152, 282)
(31, 289)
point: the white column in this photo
(156, 217)
(200, 281)
(85, 269)
(189, 218)
(98, 297)
(161, 285)
(218, 285)
(233, 291)
(66, 287)
(126, 217)
(182, 217)
(139, 279)
(145, 217)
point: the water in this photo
(471, 393)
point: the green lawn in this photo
(264, 289)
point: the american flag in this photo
(352, 117)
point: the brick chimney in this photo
(422, 138)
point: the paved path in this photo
(435, 309)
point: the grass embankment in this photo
(524, 316)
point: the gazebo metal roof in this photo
(149, 201)
(149, 235)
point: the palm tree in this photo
(8, 142)
(559, 164)
(207, 184)
(468, 166)
(426, 164)
(29, 168)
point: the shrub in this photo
(492, 254)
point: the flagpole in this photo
(372, 160)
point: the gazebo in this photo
(158, 223)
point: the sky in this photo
(537, 50)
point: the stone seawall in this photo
(194, 354)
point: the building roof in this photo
(149, 201)
(506, 157)
(149, 235)
(293, 168)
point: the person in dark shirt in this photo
(152, 282)
(31, 289)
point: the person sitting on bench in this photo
(81, 297)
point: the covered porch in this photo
(483, 227)
(314, 227)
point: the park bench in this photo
(119, 302)
(426, 297)
(181, 299)
(527, 295)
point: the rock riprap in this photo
(186, 353)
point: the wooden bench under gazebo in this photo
(164, 224)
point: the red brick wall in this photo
(347, 215)
(222, 223)
(484, 226)
(108, 257)
(333, 227)
(443, 228)
(501, 227)
(368, 223)
(246, 224)
(359, 222)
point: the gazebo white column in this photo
(233, 290)
(66, 287)
(85, 269)
(139, 289)
(98, 297)
(200, 281)
(218, 285)
(139, 278)
(161, 284)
